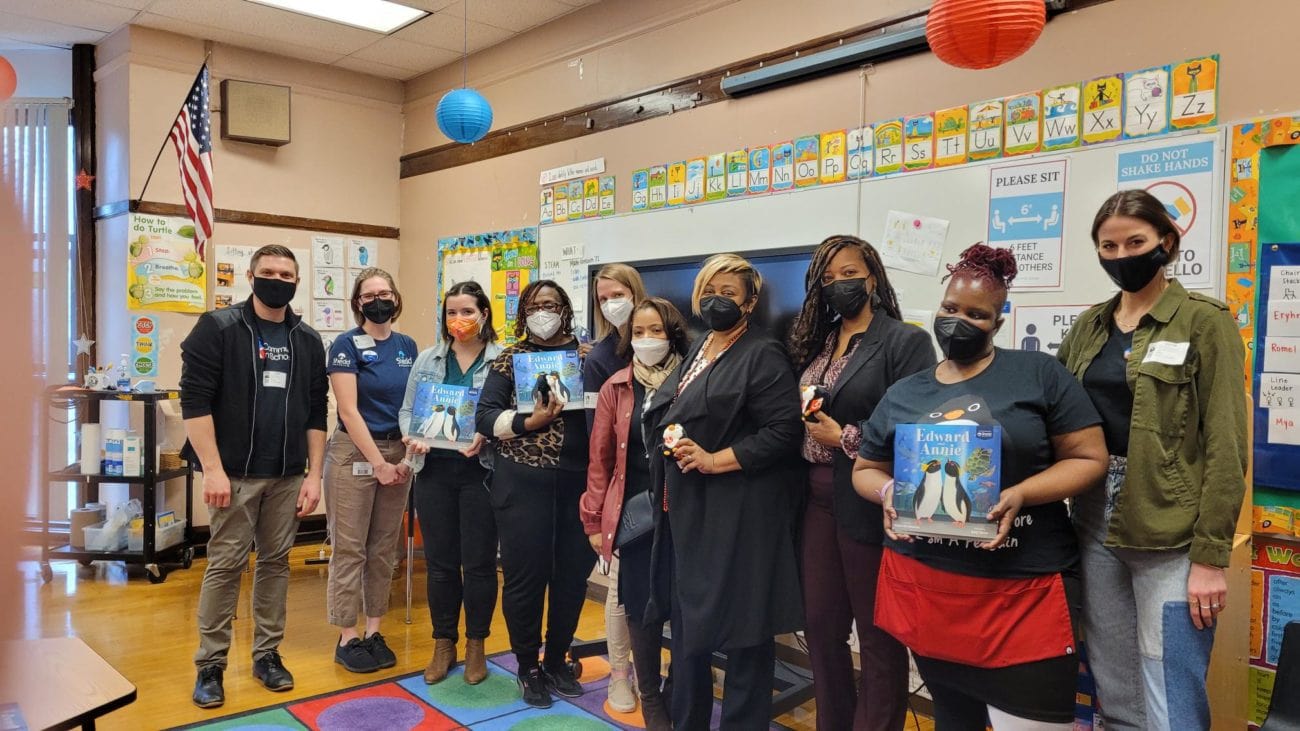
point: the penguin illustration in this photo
(451, 430)
(558, 388)
(956, 503)
(925, 502)
(542, 391)
(969, 410)
(433, 425)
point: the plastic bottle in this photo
(124, 374)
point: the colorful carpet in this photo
(407, 703)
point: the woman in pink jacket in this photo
(618, 507)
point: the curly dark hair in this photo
(815, 321)
(986, 262)
(674, 326)
(527, 296)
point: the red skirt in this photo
(972, 620)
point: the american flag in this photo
(191, 135)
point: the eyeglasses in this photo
(372, 296)
(543, 307)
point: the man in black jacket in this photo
(253, 394)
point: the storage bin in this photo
(100, 539)
(163, 537)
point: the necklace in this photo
(702, 361)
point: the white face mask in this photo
(617, 310)
(650, 351)
(543, 325)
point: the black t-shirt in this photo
(638, 461)
(573, 453)
(1107, 385)
(272, 390)
(1033, 398)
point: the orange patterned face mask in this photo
(464, 328)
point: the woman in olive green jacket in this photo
(1164, 367)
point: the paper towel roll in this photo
(91, 447)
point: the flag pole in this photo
(168, 138)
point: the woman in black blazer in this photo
(723, 553)
(850, 341)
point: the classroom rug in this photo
(405, 702)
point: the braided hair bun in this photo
(986, 262)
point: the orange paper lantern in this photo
(981, 34)
(8, 79)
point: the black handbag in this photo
(636, 521)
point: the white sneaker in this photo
(621, 697)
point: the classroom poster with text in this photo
(1026, 211)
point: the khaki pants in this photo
(263, 512)
(365, 521)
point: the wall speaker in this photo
(253, 112)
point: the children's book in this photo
(443, 415)
(540, 377)
(946, 479)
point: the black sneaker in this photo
(561, 681)
(378, 649)
(355, 657)
(532, 686)
(270, 670)
(208, 692)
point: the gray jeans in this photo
(262, 512)
(1148, 659)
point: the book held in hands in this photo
(542, 376)
(442, 415)
(946, 479)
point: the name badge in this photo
(275, 379)
(1167, 352)
(362, 469)
(590, 399)
(363, 341)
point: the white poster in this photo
(1043, 327)
(1026, 213)
(327, 251)
(1181, 176)
(232, 284)
(328, 283)
(362, 253)
(329, 315)
(913, 243)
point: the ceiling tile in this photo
(446, 31)
(76, 13)
(235, 38)
(579, 3)
(432, 6)
(403, 54)
(352, 63)
(43, 32)
(266, 22)
(133, 4)
(515, 15)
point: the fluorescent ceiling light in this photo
(380, 16)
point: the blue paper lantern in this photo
(464, 115)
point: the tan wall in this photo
(342, 164)
(1118, 36)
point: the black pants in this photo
(460, 536)
(543, 547)
(746, 690)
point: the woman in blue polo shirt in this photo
(365, 483)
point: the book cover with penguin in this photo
(442, 416)
(546, 375)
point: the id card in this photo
(362, 469)
(363, 341)
(275, 379)
(1167, 352)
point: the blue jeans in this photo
(1148, 659)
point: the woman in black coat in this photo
(724, 548)
(850, 342)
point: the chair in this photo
(1284, 708)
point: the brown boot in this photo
(444, 659)
(475, 662)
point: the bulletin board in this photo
(502, 262)
(1277, 367)
(1040, 205)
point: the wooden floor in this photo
(148, 632)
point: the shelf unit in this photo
(154, 560)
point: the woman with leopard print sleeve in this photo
(539, 476)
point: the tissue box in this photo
(100, 539)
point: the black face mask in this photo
(274, 293)
(379, 311)
(847, 296)
(720, 313)
(1132, 273)
(960, 340)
